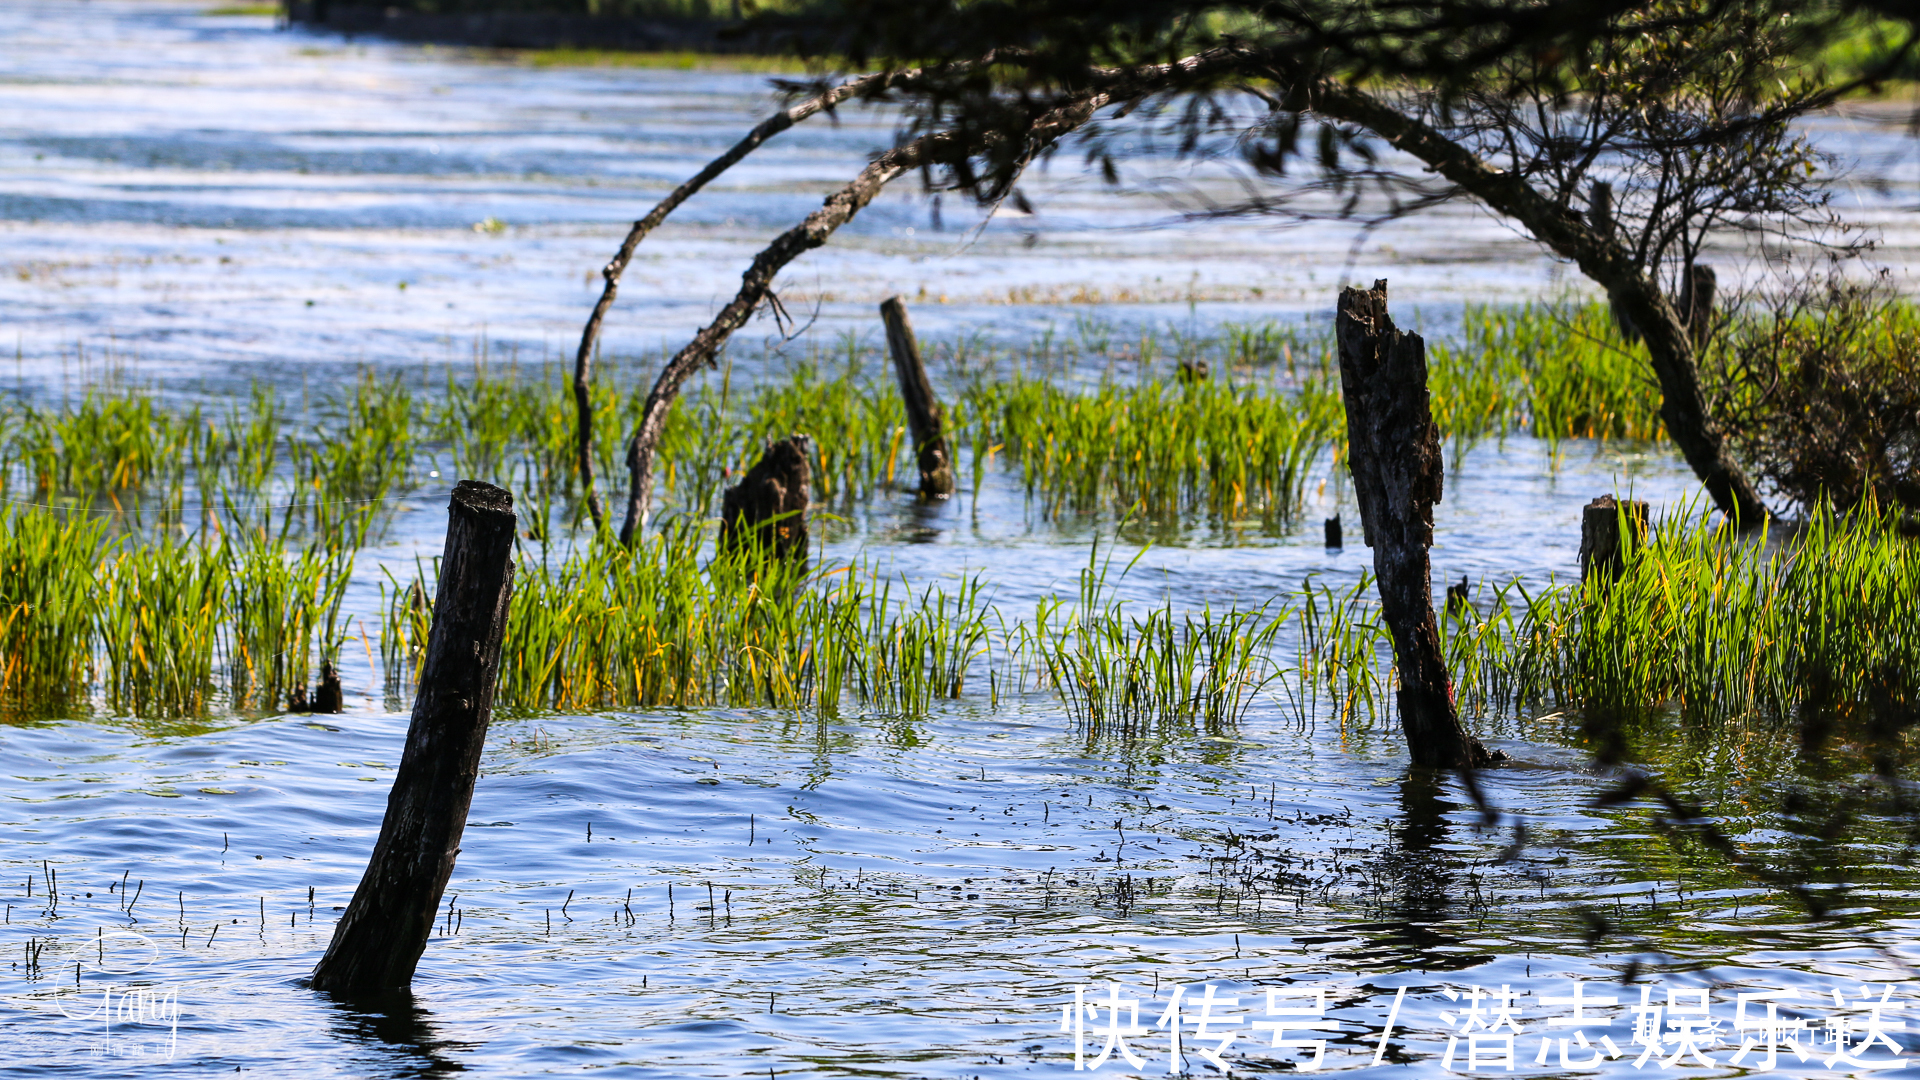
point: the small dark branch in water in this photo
(327, 697)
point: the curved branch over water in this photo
(864, 86)
(943, 147)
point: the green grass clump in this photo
(1706, 624)
(48, 572)
(1722, 627)
(608, 627)
(1169, 450)
(164, 628)
(1119, 674)
(1555, 372)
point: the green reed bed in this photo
(1201, 447)
(1554, 371)
(1120, 674)
(666, 624)
(1723, 627)
(1088, 423)
(166, 628)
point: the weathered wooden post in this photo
(1609, 532)
(378, 942)
(1394, 453)
(1333, 532)
(1600, 220)
(923, 411)
(1696, 303)
(767, 509)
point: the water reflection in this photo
(1418, 869)
(403, 1031)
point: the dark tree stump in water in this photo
(767, 509)
(1333, 531)
(1604, 546)
(378, 942)
(1394, 453)
(923, 411)
(1696, 303)
(327, 697)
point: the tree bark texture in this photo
(767, 509)
(1394, 452)
(1609, 532)
(1635, 296)
(378, 942)
(865, 86)
(923, 411)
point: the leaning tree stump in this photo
(923, 411)
(378, 942)
(1696, 303)
(767, 510)
(1394, 454)
(1610, 531)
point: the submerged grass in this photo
(172, 562)
(171, 628)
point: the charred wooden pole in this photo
(923, 411)
(767, 509)
(1696, 303)
(378, 942)
(1610, 530)
(1394, 452)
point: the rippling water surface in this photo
(199, 201)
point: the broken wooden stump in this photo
(767, 509)
(378, 942)
(1610, 530)
(327, 697)
(1394, 454)
(1696, 303)
(923, 411)
(1333, 532)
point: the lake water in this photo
(196, 202)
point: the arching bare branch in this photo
(865, 86)
(940, 148)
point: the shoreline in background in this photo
(588, 35)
